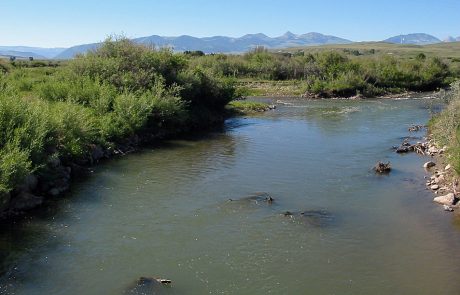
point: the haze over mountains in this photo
(417, 39)
(221, 44)
(27, 51)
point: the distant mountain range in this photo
(452, 39)
(417, 39)
(216, 44)
(221, 43)
(26, 51)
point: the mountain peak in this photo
(416, 38)
(258, 35)
(289, 35)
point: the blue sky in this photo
(52, 23)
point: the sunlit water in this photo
(166, 212)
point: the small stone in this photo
(433, 150)
(448, 208)
(448, 167)
(429, 164)
(435, 187)
(446, 199)
(439, 179)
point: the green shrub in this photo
(75, 128)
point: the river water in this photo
(166, 212)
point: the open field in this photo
(449, 51)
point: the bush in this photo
(119, 90)
(25, 133)
(75, 128)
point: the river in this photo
(165, 211)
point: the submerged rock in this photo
(148, 286)
(316, 218)
(257, 198)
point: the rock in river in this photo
(429, 164)
(435, 187)
(148, 286)
(448, 199)
(257, 198)
(316, 218)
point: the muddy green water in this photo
(165, 212)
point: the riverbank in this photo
(444, 142)
(296, 89)
(54, 121)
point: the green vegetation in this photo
(445, 126)
(101, 98)
(62, 110)
(330, 73)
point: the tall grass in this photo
(445, 126)
(331, 73)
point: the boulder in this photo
(25, 201)
(448, 199)
(435, 187)
(429, 164)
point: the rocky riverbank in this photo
(443, 181)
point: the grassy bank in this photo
(323, 72)
(445, 127)
(64, 113)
